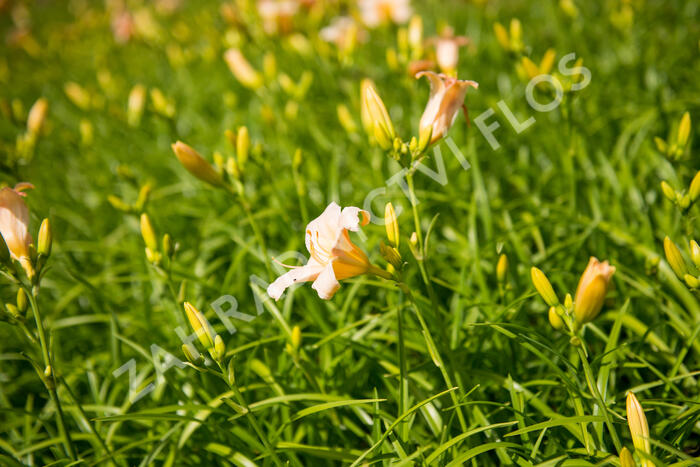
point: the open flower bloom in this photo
(277, 15)
(376, 12)
(333, 255)
(446, 98)
(591, 290)
(14, 223)
(447, 50)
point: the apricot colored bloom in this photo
(14, 224)
(447, 50)
(446, 98)
(333, 255)
(376, 12)
(591, 290)
(277, 15)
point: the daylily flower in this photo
(447, 50)
(14, 225)
(277, 15)
(343, 32)
(591, 290)
(333, 255)
(446, 97)
(376, 12)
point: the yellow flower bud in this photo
(547, 61)
(674, 258)
(626, 459)
(37, 116)
(296, 337)
(530, 68)
(692, 281)
(346, 120)
(189, 354)
(591, 290)
(554, 319)
(502, 268)
(391, 255)
(162, 104)
(196, 165)
(219, 348)
(661, 145)
(77, 95)
(135, 105)
(242, 69)
(200, 325)
(694, 190)
(45, 239)
(242, 146)
(568, 301)
(22, 301)
(148, 233)
(378, 123)
(695, 253)
(684, 130)
(668, 191)
(639, 429)
(501, 35)
(516, 34)
(543, 287)
(391, 224)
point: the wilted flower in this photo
(376, 12)
(14, 225)
(333, 255)
(591, 290)
(446, 97)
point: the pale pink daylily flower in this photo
(446, 98)
(333, 255)
(447, 50)
(376, 12)
(277, 15)
(14, 223)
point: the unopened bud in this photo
(200, 325)
(144, 194)
(190, 355)
(296, 337)
(694, 190)
(568, 301)
(639, 428)
(167, 246)
(45, 240)
(391, 255)
(118, 204)
(346, 120)
(242, 146)
(219, 348)
(392, 225)
(554, 319)
(543, 287)
(135, 105)
(502, 268)
(37, 116)
(668, 191)
(22, 302)
(379, 123)
(13, 310)
(695, 253)
(196, 165)
(626, 459)
(684, 130)
(242, 69)
(661, 145)
(148, 233)
(674, 258)
(692, 281)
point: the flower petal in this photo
(297, 275)
(14, 221)
(350, 218)
(326, 284)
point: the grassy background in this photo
(583, 180)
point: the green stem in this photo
(403, 381)
(253, 225)
(419, 237)
(251, 417)
(435, 354)
(593, 387)
(60, 420)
